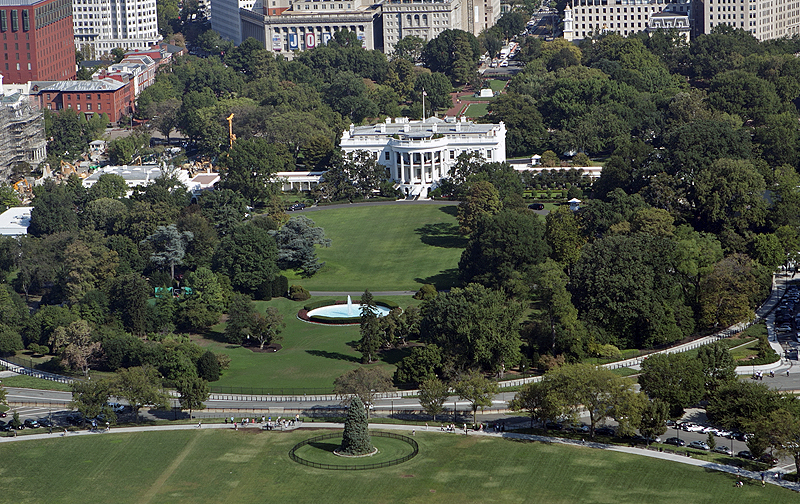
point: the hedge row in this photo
(388, 304)
(319, 304)
(334, 320)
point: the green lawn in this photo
(311, 358)
(497, 85)
(386, 248)
(477, 110)
(213, 466)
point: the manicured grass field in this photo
(386, 248)
(497, 84)
(311, 358)
(213, 466)
(477, 110)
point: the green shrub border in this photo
(319, 304)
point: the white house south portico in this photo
(418, 154)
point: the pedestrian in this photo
(426, 425)
(413, 432)
(65, 431)
(199, 424)
(108, 426)
(763, 482)
(787, 372)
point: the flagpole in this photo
(423, 104)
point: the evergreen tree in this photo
(370, 329)
(208, 367)
(356, 439)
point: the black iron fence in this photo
(351, 467)
(216, 389)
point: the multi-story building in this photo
(286, 26)
(139, 69)
(102, 96)
(225, 18)
(418, 154)
(478, 15)
(102, 25)
(764, 19)
(419, 18)
(36, 38)
(21, 131)
(625, 17)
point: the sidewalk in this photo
(670, 457)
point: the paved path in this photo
(671, 457)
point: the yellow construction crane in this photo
(231, 136)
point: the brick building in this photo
(37, 40)
(103, 96)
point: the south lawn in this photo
(247, 466)
(386, 248)
(311, 358)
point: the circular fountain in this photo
(340, 314)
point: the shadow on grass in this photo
(328, 446)
(333, 355)
(442, 234)
(450, 210)
(394, 355)
(444, 280)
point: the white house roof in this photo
(419, 129)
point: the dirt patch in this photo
(406, 475)
(274, 347)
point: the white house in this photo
(418, 154)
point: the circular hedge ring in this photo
(354, 467)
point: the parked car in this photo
(45, 422)
(31, 424)
(604, 431)
(745, 455)
(722, 449)
(116, 407)
(699, 445)
(297, 206)
(768, 459)
(675, 441)
(536, 206)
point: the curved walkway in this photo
(671, 457)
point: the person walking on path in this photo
(763, 483)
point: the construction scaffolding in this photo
(21, 133)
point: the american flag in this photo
(424, 93)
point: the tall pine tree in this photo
(356, 439)
(370, 329)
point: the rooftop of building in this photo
(15, 221)
(422, 129)
(80, 86)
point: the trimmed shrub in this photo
(387, 304)
(298, 293)
(280, 286)
(427, 291)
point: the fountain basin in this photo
(339, 313)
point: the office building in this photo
(36, 38)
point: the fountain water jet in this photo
(349, 306)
